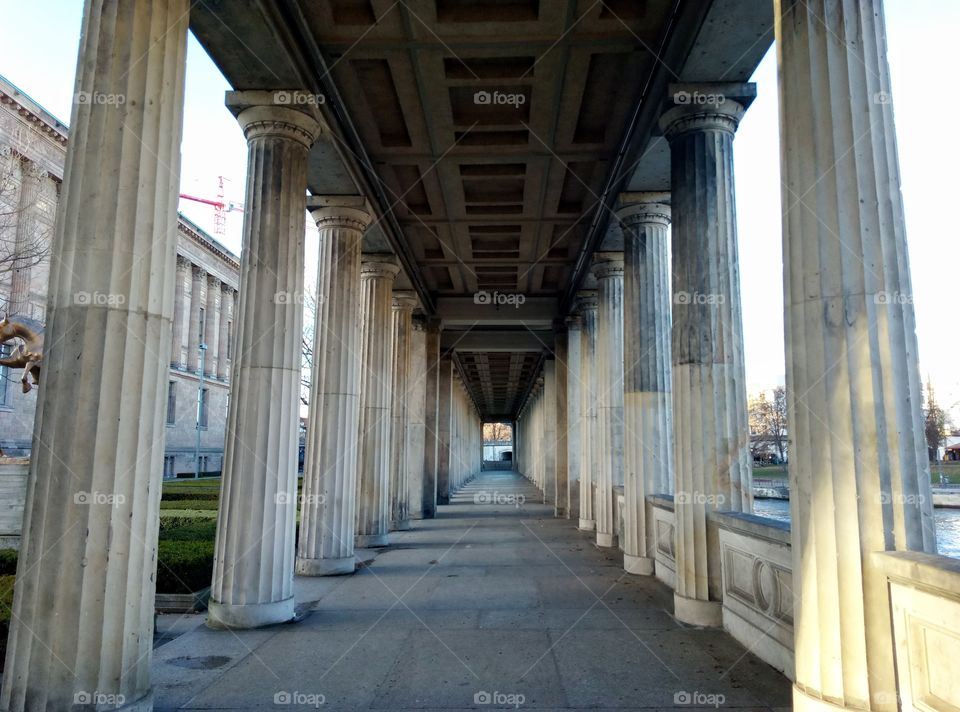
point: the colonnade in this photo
(83, 608)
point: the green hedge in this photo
(184, 566)
(192, 503)
(8, 562)
(195, 494)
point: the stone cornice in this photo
(57, 133)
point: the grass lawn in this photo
(951, 471)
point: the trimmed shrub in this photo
(8, 562)
(184, 566)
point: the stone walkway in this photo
(489, 601)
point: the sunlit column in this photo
(589, 460)
(83, 608)
(860, 480)
(648, 409)
(254, 553)
(403, 305)
(574, 422)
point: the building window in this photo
(203, 322)
(229, 340)
(204, 397)
(203, 466)
(172, 403)
(169, 467)
(4, 374)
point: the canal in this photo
(948, 522)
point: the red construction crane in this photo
(220, 207)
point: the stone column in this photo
(561, 504)
(212, 328)
(860, 480)
(403, 305)
(196, 304)
(444, 421)
(608, 269)
(648, 410)
(377, 273)
(548, 432)
(587, 305)
(416, 414)
(328, 516)
(179, 305)
(712, 440)
(29, 242)
(574, 421)
(223, 341)
(431, 453)
(254, 556)
(82, 619)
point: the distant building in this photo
(32, 153)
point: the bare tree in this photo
(497, 432)
(936, 423)
(24, 235)
(768, 423)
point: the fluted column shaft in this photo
(648, 410)
(574, 422)
(28, 239)
(196, 310)
(328, 509)
(212, 328)
(83, 607)
(416, 415)
(254, 554)
(712, 440)
(431, 448)
(589, 460)
(860, 480)
(377, 274)
(444, 422)
(223, 342)
(608, 270)
(179, 304)
(402, 325)
(548, 431)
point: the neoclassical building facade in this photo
(33, 147)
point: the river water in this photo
(948, 522)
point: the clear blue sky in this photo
(40, 57)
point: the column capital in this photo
(607, 264)
(587, 300)
(225, 287)
(290, 114)
(405, 299)
(706, 107)
(574, 322)
(198, 271)
(349, 211)
(378, 265)
(418, 323)
(182, 262)
(644, 208)
(213, 280)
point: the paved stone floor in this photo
(489, 601)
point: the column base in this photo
(371, 541)
(222, 616)
(326, 567)
(586, 525)
(401, 526)
(639, 565)
(605, 540)
(802, 702)
(708, 614)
